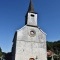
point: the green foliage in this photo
(0, 50)
(1, 54)
(49, 45)
(54, 46)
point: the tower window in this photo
(32, 15)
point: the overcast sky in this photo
(12, 18)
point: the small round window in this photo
(32, 33)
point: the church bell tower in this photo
(29, 42)
(31, 16)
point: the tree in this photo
(0, 52)
(0, 49)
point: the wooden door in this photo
(31, 59)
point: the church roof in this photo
(31, 9)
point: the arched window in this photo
(31, 59)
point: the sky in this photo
(12, 18)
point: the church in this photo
(29, 42)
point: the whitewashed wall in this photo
(30, 47)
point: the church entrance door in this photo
(31, 59)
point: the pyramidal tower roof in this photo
(31, 9)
